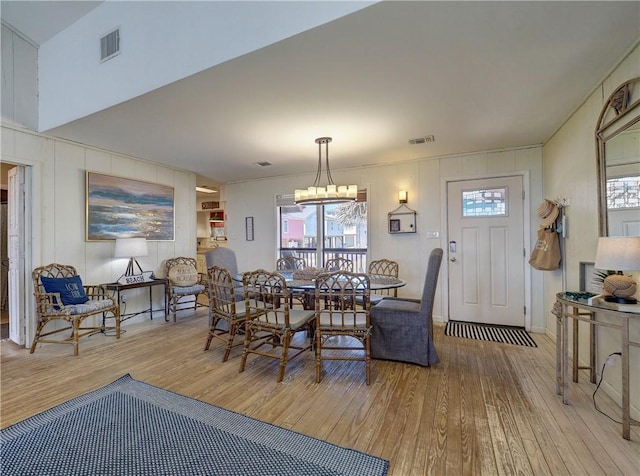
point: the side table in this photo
(585, 312)
(119, 288)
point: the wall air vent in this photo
(110, 45)
(422, 140)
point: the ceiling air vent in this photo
(422, 140)
(110, 45)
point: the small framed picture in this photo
(394, 225)
(248, 228)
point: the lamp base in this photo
(621, 300)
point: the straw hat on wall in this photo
(548, 213)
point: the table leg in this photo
(565, 356)
(626, 414)
(151, 302)
(559, 383)
(592, 348)
(575, 346)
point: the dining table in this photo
(298, 281)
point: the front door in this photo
(486, 251)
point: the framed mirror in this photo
(618, 154)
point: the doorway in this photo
(15, 259)
(4, 268)
(486, 251)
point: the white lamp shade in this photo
(618, 253)
(130, 247)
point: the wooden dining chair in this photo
(383, 268)
(291, 264)
(339, 264)
(337, 320)
(271, 322)
(226, 312)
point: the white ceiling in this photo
(477, 75)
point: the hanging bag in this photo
(546, 254)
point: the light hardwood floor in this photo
(485, 409)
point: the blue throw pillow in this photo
(70, 289)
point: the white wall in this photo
(570, 171)
(19, 97)
(58, 208)
(425, 181)
(189, 36)
(57, 191)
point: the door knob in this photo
(452, 259)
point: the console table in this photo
(585, 312)
(119, 288)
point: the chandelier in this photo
(331, 193)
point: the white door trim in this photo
(444, 219)
(32, 239)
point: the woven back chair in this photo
(271, 322)
(185, 285)
(226, 310)
(293, 263)
(339, 264)
(383, 267)
(66, 305)
(337, 319)
(290, 263)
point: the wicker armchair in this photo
(69, 304)
(226, 310)
(184, 282)
(339, 264)
(337, 319)
(271, 323)
(383, 267)
(403, 328)
(225, 258)
(291, 264)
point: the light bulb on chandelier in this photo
(330, 193)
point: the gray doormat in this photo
(132, 428)
(505, 334)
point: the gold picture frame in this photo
(120, 207)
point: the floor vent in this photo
(110, 45)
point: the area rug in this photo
(132, 428)
(505, 334)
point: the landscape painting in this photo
(119, 207)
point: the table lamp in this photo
(131, 248)
(619, 253)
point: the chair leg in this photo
(232, 337)
(116, 317)
(36, 337)
(367, 359)
(318, 357)
(76, 327)
(214, 322)
(286, 340)
(245, 352)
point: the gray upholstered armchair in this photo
(403, 328)
(222, 257)
(225, 258)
